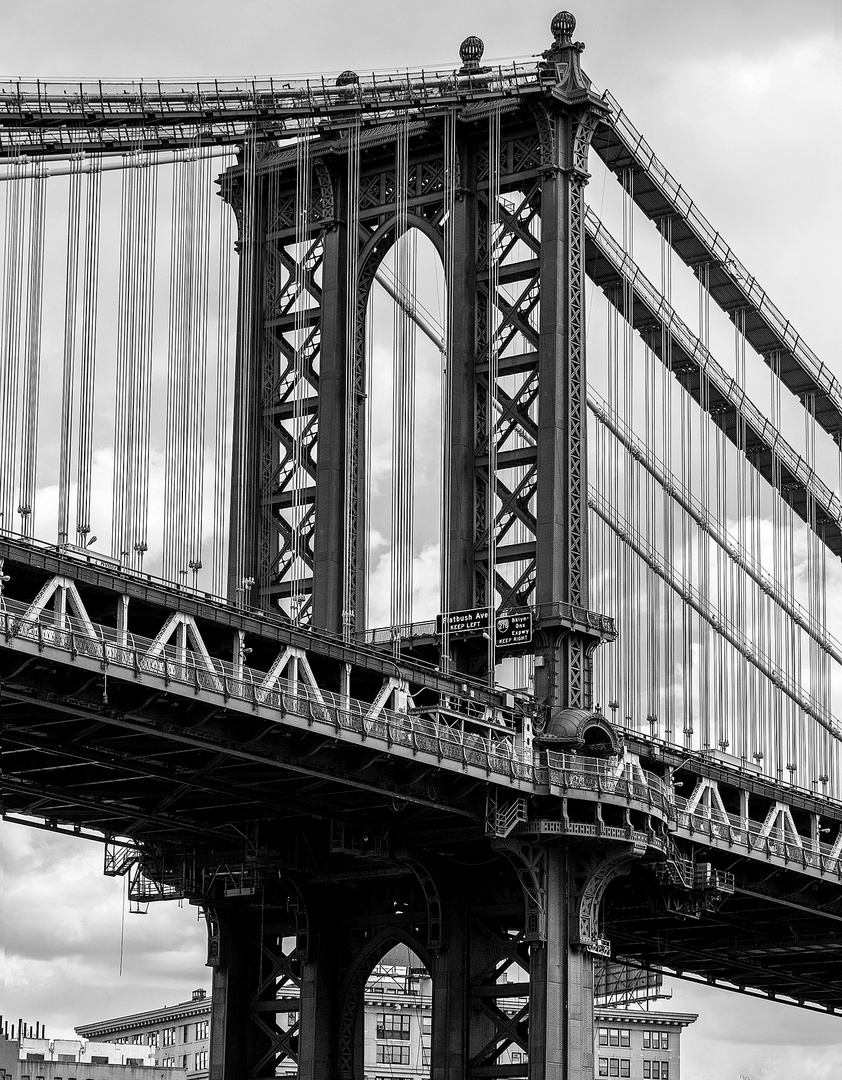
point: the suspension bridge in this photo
(343, 598)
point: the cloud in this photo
(426, 602)
(68, 932)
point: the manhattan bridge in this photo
(267, 342)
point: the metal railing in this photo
(612, 776)
(49, 116)
(318, 708)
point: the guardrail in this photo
(323, 709)
(613, 777)
(50, 117)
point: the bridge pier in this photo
(260, 994)
(561, 979)
(512, 967)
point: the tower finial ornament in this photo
(470, 53)
(562, 58)
(562, 28)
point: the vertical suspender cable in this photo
(631, 566)
(11, 326)
(134, 359)
(143, 361)
(32, 358)
(124, 349)
(198, 367)
(703, 550)
(87, 372)
(353, 390)
(177, 472)
(403, 399)
(615, 564)
(668, 508)
(71, 296)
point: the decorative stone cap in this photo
(562, 57)
(577, 728)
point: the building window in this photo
(32, 1056)
(625, 1066)
(603, 1064)
(515, 1057)
(614, 1037)
(169, 1063)
(202, 1029)
(99, 1059)
(134, 1061)
(202, 1059)
(154, 1038)
(393, 1025)
(169, 1036)
(66, 1057)
(183, 1061)
(625, 1039)
(426, 1025)
(603, 1038)
(387, 1054)
(665, 1070)
(185, 1033)
(647, 1041)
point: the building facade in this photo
(634, 1042)
(28, 1058)
(175, 1036)
(639, 1044)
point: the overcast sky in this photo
(741, 100)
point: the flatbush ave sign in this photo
(511, 628)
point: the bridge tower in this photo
(496, 182)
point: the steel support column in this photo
(564, 676)
(560, 986)
(331, 496)
(245, 477)
(256, 988)
(457, 591)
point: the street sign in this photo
(470, 621)
(513, 628)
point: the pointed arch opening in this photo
(386, 1022)
(403, 278)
